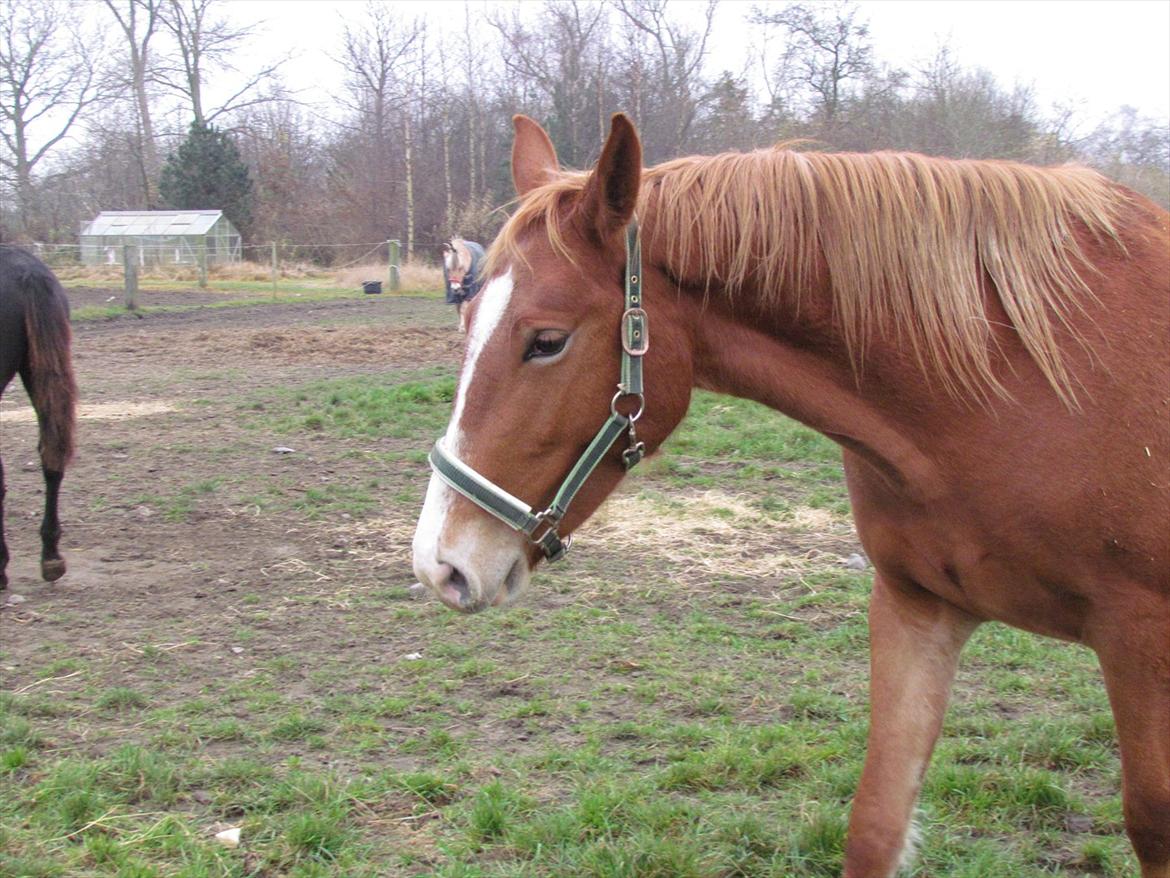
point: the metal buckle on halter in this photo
(549, 519)
(635, 332)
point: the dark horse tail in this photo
(51, 385)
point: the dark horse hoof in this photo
(53, 569)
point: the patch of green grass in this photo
(296, 727)
(14, 758)
(363, 408)
(121, 698)
(179, 506)
(61, 667)
(335, 499)
(430, 788)
(727, 429)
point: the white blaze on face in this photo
(489, 313)
(488, 316)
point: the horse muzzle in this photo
(469, 560)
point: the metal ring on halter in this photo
(548, 520)
(635, 415)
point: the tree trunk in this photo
(448, 194)
(139, 44)
(408, 162)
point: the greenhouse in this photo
(162, 237)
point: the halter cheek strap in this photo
(541, 527)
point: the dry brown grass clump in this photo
(414, 275)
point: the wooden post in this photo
(274, 269)
(130, 271)
(394, 247)
(202, 258)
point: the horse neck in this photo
(790, 355)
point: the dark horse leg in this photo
(52, 564)
(3, 545)
(7, 370)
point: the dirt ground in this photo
(157, 391)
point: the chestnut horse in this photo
(988, 342)
(34, 342)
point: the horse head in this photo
(547, 357)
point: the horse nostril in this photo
(515, 576)
(457, 582)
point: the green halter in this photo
(541, 527)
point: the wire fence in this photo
(364, 266)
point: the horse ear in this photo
(534, 158)
(611, 194)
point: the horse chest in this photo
(971, 557)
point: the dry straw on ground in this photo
(718, 534)
(709, 534)
(104, 411)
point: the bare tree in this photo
(205, 43)
(49, 78)
(290, 169)
(558, 55)
(1134, 150)
(139, 20)
(677, 52)
(965, 113)
(379, 55)
(828, 52)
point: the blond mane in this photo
(905, 238)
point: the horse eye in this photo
(546, 344)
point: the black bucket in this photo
(372, 286)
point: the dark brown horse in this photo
(34, 343)
(988, 342)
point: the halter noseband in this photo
(541, 527)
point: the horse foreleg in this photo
(52, 564)
(915, 641)
(3, 545)
(1135, 659)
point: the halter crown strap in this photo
(635, 327)
(541, 527)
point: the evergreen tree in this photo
(206, 172)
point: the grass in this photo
(364, 408)
(237, 294)
(682, 699)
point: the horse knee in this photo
(1147, 822)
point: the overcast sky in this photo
(1096, 55)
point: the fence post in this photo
(202, 257)
(274, 269)
(394, 247)
(130, 270)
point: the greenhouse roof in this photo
(152, 222)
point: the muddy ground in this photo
(157, 392)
